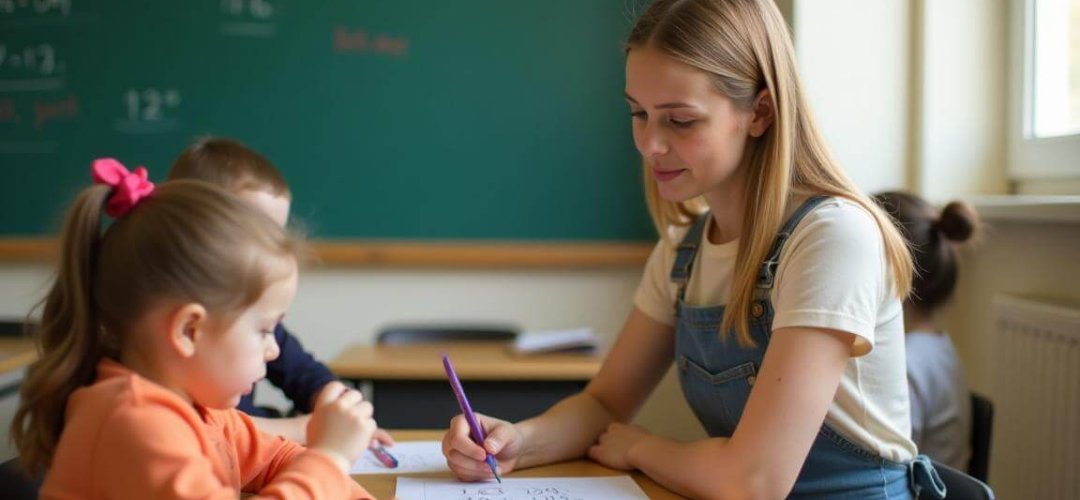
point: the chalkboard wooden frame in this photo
(402, 254)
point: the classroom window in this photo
(1055, 68)
(1044, 142)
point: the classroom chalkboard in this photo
(391, 119)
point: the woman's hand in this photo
(466, 459)
(613, 447)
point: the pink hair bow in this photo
(128, 187)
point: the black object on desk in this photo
(11, 328)
(419, 333)
(430, 404)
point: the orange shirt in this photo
(127, 437)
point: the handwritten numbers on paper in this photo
(488, 492)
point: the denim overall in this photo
(716, 376)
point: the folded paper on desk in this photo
(578, 339)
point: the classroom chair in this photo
(982, 424)
(960, 486)
(416, 333)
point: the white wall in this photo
(21, 286)
(854, 57)
(910, 94)
(961, 67)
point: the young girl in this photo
(156, 324)
(776, 288)
(940, 399)
(246, 173)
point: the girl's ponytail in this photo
(69, 341)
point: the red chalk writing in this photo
(46, 111)
(358, 41)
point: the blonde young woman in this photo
(776, 288)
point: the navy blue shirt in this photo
(295, 372)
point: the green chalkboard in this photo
(391, 119)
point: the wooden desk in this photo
(383, 486)
(409, 388)
(15, 353)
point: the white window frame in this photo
(1031, 158)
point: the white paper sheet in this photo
(412, 456)
(557, 488)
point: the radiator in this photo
(1035, 449)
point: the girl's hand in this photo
(341, 425)
(612, 449)
(381, 438)
(466, 458)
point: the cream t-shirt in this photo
(832, 274)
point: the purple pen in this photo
(385, 457)
(476, 431)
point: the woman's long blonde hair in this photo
(745, 46)
(188, 242)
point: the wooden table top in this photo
(15, 353)
(472, 361)
(383, 486)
